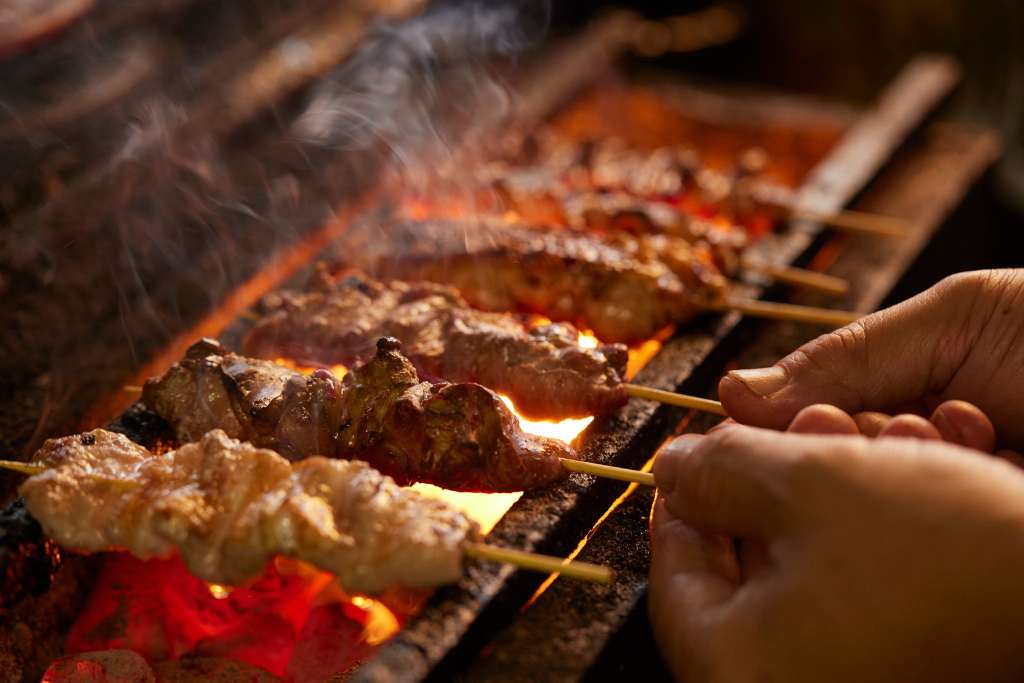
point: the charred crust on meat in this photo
(387, 345)
(354, 282)
(205, 347)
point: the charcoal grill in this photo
(495, 624)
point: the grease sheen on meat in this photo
(228, 507)
(625, 288)
(543, 369)
(457, 436)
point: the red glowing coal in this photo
(295, 621)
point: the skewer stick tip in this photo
(23, 467)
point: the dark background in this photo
(849, 51)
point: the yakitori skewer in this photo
(524, 560)
(104, 481)
(606, 471)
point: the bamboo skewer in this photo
(800, 277)
(858, 222)
(777, 311)
(23, 467)
(545, 564)
(609, 472)
(524, 560)
(707, 405)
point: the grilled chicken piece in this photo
(544, 370)
(457, 436)
(624, 288)
(229, 507)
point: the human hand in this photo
(858, 559)
(962, 339)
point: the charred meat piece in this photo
(543, 370)
(624, 288)
(192, 396)
(229, 507)
(457, 436)
(295, 414)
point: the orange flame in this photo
(488, 508)
(381, 622)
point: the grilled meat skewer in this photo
(457, 436)
(227, 507)
(623, 288)
(543, 369)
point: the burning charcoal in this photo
(28, 560)
(211, 670)
(106, 666)
(264, 640)
(331, 642)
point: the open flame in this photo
(295, 621)
(488, 508)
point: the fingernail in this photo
(762, 381)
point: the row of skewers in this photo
(275, 461)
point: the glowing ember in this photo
(295, 621)
(218, 591)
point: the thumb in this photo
(884, 360)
